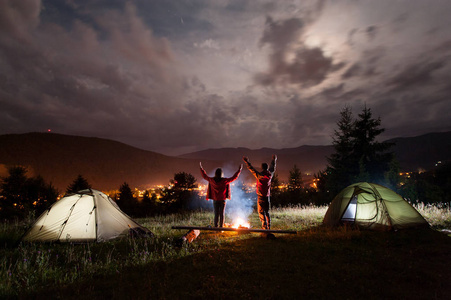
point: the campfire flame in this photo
(240, 223)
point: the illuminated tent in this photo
(88, 215)
(372, 206)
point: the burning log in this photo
(240, 229)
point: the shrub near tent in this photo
(372, 206)
(88, 215)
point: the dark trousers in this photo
(219, 206)
(263, 205)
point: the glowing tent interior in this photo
(372, 206)
(88, 215)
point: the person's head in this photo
(218, 173)
(264, 166)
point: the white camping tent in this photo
(88, 215)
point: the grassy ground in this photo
(316, 263)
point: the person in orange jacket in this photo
(263, 189)
(219, 191)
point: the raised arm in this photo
(237, 173)
(272, 166)
(250, 167)
(202, 172)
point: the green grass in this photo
(438, 215)
(316, 263)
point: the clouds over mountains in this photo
(175, 76)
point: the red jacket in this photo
(263, 178)
(219, 190)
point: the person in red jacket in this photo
(219, 191)
(263, 189)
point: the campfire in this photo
(240, 223)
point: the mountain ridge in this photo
(106, 164)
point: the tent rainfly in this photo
(88, 215)
(372, 206)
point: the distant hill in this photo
(106, 164)
(413, 153)
(422, 152)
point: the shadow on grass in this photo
(317, 263)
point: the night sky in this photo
(175, 76)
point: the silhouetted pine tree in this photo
(149, 204)
(21, 195)
(126, 201)
(343, 165)
(358, 155)
(374, 157)
(79, 183)
(295, 179)
(183, 184)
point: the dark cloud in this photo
(351, 34)
(310, 67)
(280, 35)
(367, 65)
(334, 92)
(237, 5)
(71, 75)
(413, 97)
(310, 124)
(290, 60)
(353, 70)
(176, 76)
(416, 75)
(174, 19)
(443, 48)
(371, 32)
(374, 55)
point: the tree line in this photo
(360, 157)
(22, 196)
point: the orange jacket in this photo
(263, 178)
(219, 190)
